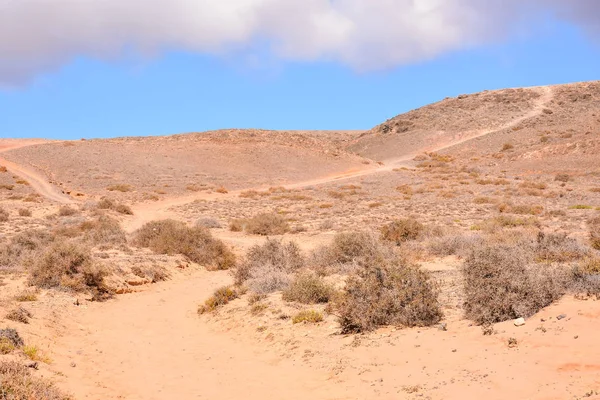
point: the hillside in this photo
(536, 123)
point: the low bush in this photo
(267, 224)
(307, 316)
(501, 283)
(220, 297)
(120, 188)
(594, 226)
(17, 383)
(459, 245)
(19, 314)
(104, 230)
(308, 288)
(388, 292)
(268, 267)
(402, 230)
(586, 277)
(562, 178)
(69, 265)
(25, 212)
(554, 247)
(123, 209)
(3, 215)
(12, 336)
(197, 243)
(209, 223)
(66, 211)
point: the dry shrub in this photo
(533, 185)
(402, 230)
(521, 209)
(3, 215)
(19, 314)
(507, 146)
(104, 230)
(388, 292)
(268, 267)
(17, 383)
(347, 251)
(22, 246)
(405, 189)
(455, 244)
(66, 211)
(12, 336)
(308, 317)
(155, 273)
(586, 277)
(108, 204)
(27, 295)
(502, 283)
(25, 212)
(237, 225)
(308, 288)
(69, 265)
(3, 169)
(123, 209)
(505, 221)
(562, 178)
(267, 224)
(219, 298)
(105, 204)
(209, 223)
(120, 188)
(483, 200)
(197, 243)
(594, 225)
(222, 190)
(554, 247)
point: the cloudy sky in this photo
(99, 68)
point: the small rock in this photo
(73, 364)
(454, 350)
(561, 316)
(576, 337)
(443, 326)
(519, 321)
(33, 365)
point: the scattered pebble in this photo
(519, 321)
(561, 316)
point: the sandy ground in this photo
(153, 345)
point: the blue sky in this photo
(176, 90)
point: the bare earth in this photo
(501, 147)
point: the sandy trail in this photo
(153, 346)
(161, 210)
(37, 181)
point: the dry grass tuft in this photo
(175, 237)
(3, 215)
(402, 230)
(308, 317)
(17, 383)
(104, 230)
(220, 297)
(120, 188)
(66, 211)
(388, 292)
(25, 212)
(502, 283)
(308, 288)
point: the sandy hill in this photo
(534, 123)
(178, 164)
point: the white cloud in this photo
(39, 35)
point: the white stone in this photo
(520, 322)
